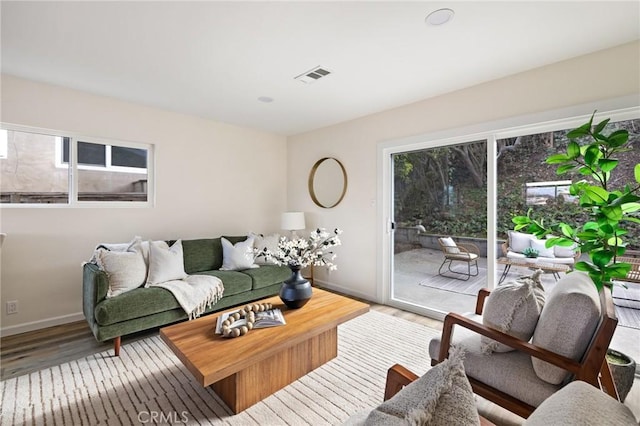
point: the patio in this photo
(416, 280)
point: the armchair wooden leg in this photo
(606, 381)
(116, 346)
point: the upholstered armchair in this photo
(569, 342)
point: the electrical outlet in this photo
(12, 307)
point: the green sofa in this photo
(145, 308)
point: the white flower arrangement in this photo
(303, 252)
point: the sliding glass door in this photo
(440, 192)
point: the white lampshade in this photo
(292, 221)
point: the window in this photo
(37, 169)
(106, 156)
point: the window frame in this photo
(73, 168)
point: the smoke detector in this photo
(313, 75)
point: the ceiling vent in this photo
(313, 75)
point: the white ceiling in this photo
(215, 59)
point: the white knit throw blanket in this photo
(195, 293)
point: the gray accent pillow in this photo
(442, 396)
(519, 241)
(513, 308)
(125, 270)
(567, 323)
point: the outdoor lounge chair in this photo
(467, 253)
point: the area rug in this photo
(148, 384)
(453, 285)
(627, 297)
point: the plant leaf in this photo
(618, 138)
(592, 154)
(601, 125)
(606, 165)
(557, 158)
(565, 168)
(580, 131)
(636, 172)
(573, 150)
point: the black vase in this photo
(295, 291)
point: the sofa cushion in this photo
(268, 243)
(560, 251)
(442, 396)
(126, 270)
(267, 275)
(136, 303)
(511, 372)
(202, 255)
(165, 263)
(519, 241)
(567, 323)
(238, 256)
(234, 282)
(513, 308)
(541, 246)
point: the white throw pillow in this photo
(269, 242)
(165, 263)
(514, 309)
(125, 270)
(560, 251)
(239, 256)
(543, 251)
(450, 245)
(519, 241)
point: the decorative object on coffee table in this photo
(623, 369)
(295, 290)
(298, 253)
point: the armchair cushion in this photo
(513, 308)
(449, 245)
(442, 396)
(511, 372)
(579, 404)
(567, 323)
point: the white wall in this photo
(212, 179)
(599, 76)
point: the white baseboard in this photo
(344, 290)
(40, 324)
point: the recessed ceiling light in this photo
(439, 17)
(265, 99)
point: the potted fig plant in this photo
(603, 236)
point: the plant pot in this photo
(623, 369)
(295, 291)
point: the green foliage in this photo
(530, 252)
(608, 212)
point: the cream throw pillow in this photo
(513, 308)
(165, 263)
(451, 246)
(269, 242)
(125, 270)
(239, 256)
(519, 241)
(441, 397)
(540, 245)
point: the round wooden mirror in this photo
(327, 182)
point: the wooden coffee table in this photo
(247, 369)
